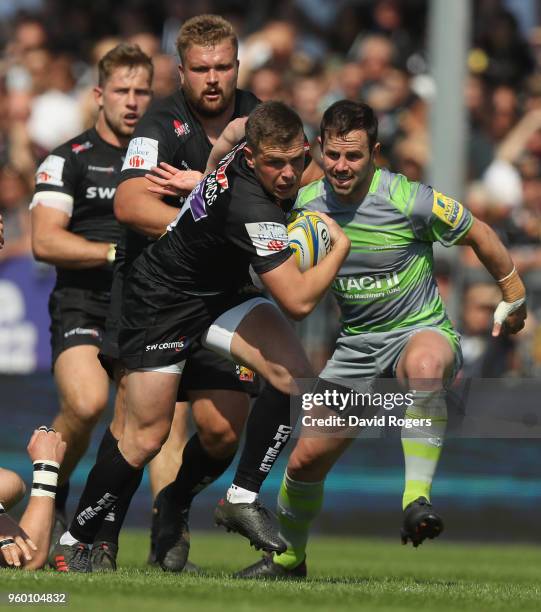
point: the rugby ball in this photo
(309, 238)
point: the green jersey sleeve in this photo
(439, 218)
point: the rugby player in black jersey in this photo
(74, 228)
(179, 133)
(193, 285)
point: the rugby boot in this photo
(72, 557)
(253, 521)
(60, 526)
(420, 522)
(103, 556)
(172, 535)
(266, 569)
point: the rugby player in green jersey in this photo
(394, 323)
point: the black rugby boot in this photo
(103, 556)
(253, 521)
(266, 569)
(172, 535)
(420, 522)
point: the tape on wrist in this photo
(45, 478)
(512, 287)
(504, 309)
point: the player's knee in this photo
(304, 462)
(12, 488)
(146, 445)
(283, 377)
(221, 441)
(86, 410)
(425, 365)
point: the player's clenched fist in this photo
(46, 444)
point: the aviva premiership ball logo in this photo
(309, 238)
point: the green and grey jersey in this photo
(387, 282)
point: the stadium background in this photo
(308, 53)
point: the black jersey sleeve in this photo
(150, 145)
(58, 173)
(256, 225)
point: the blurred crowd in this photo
(310, 53)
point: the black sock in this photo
(114, 519)
(110, 478)
(61, 498)
(197, 471)
(267, 432)
(108, 442)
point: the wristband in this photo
(111, 253)
(512, 287)
(45, 478)
(2, 509)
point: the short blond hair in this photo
(123, 55)
(205, 31)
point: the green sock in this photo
(422, 445)
(298, 504)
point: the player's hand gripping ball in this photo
(309, 238)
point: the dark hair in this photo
(345, 116)
(205, 31)
(122, 55)
(274, 122)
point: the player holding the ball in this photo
(394, 323)
(194, 284)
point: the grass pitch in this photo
(345, 574)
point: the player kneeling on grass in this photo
(394, 323)
(26, 544)
(194, 283)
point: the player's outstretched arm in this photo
(510, 313)
(299, 292)
(46, 450)
(141, 209)
(12, 490)
(233, 133)
(53, 243)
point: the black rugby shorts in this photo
(204, 368)
(77, 318)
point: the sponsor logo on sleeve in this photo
(267, 238)
(142, 154)
(181, 129)
(446, 209)
(50, 171)
(79, 148)
(82, 331)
